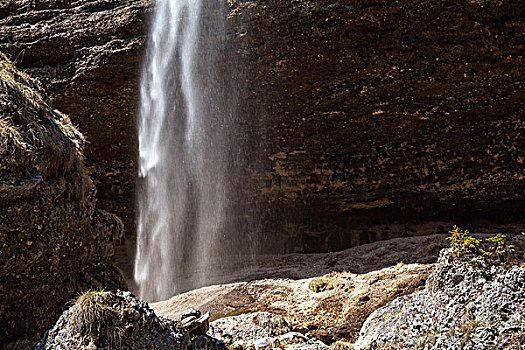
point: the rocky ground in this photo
(347, 286)
(335, 309)
(118, 320)
(357, 281)
(463, 306)
(360, 259)
(262, 330)
(457, 303)
(113, 320)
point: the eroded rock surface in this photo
(246, 328)
(388, 112)
(464, 305)
(54, 242)
(261, 330)
(330, 314)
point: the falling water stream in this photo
(188, 149)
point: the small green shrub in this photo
(497, 248)
(462, 243)
(490, 249)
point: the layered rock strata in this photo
(370, 120)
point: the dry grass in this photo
(90, 314)
(93, 321)
(342, 345)
(36, 140)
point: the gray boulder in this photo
(113, 320)
(465, 305)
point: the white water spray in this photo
(186, 133)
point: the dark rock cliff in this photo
(374, 119)
(54, 243)
(392, 112)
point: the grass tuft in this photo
(90, 313)
(93, 320)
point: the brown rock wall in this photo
(373, 119)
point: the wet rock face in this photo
(464, 306)
(113, 320)
(54, 242)
(388, 112)
(371, 118)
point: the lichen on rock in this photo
(262, 330)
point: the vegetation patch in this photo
(492, 249)
(37, 141)
(467, 328)
(89, 312)
(342, 345)
(324, 283)
(92, 317)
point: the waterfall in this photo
(189, 149)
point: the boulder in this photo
(195, 322)
(465, 305)
(113, 320)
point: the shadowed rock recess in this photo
(372, 119)
(54, 243)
